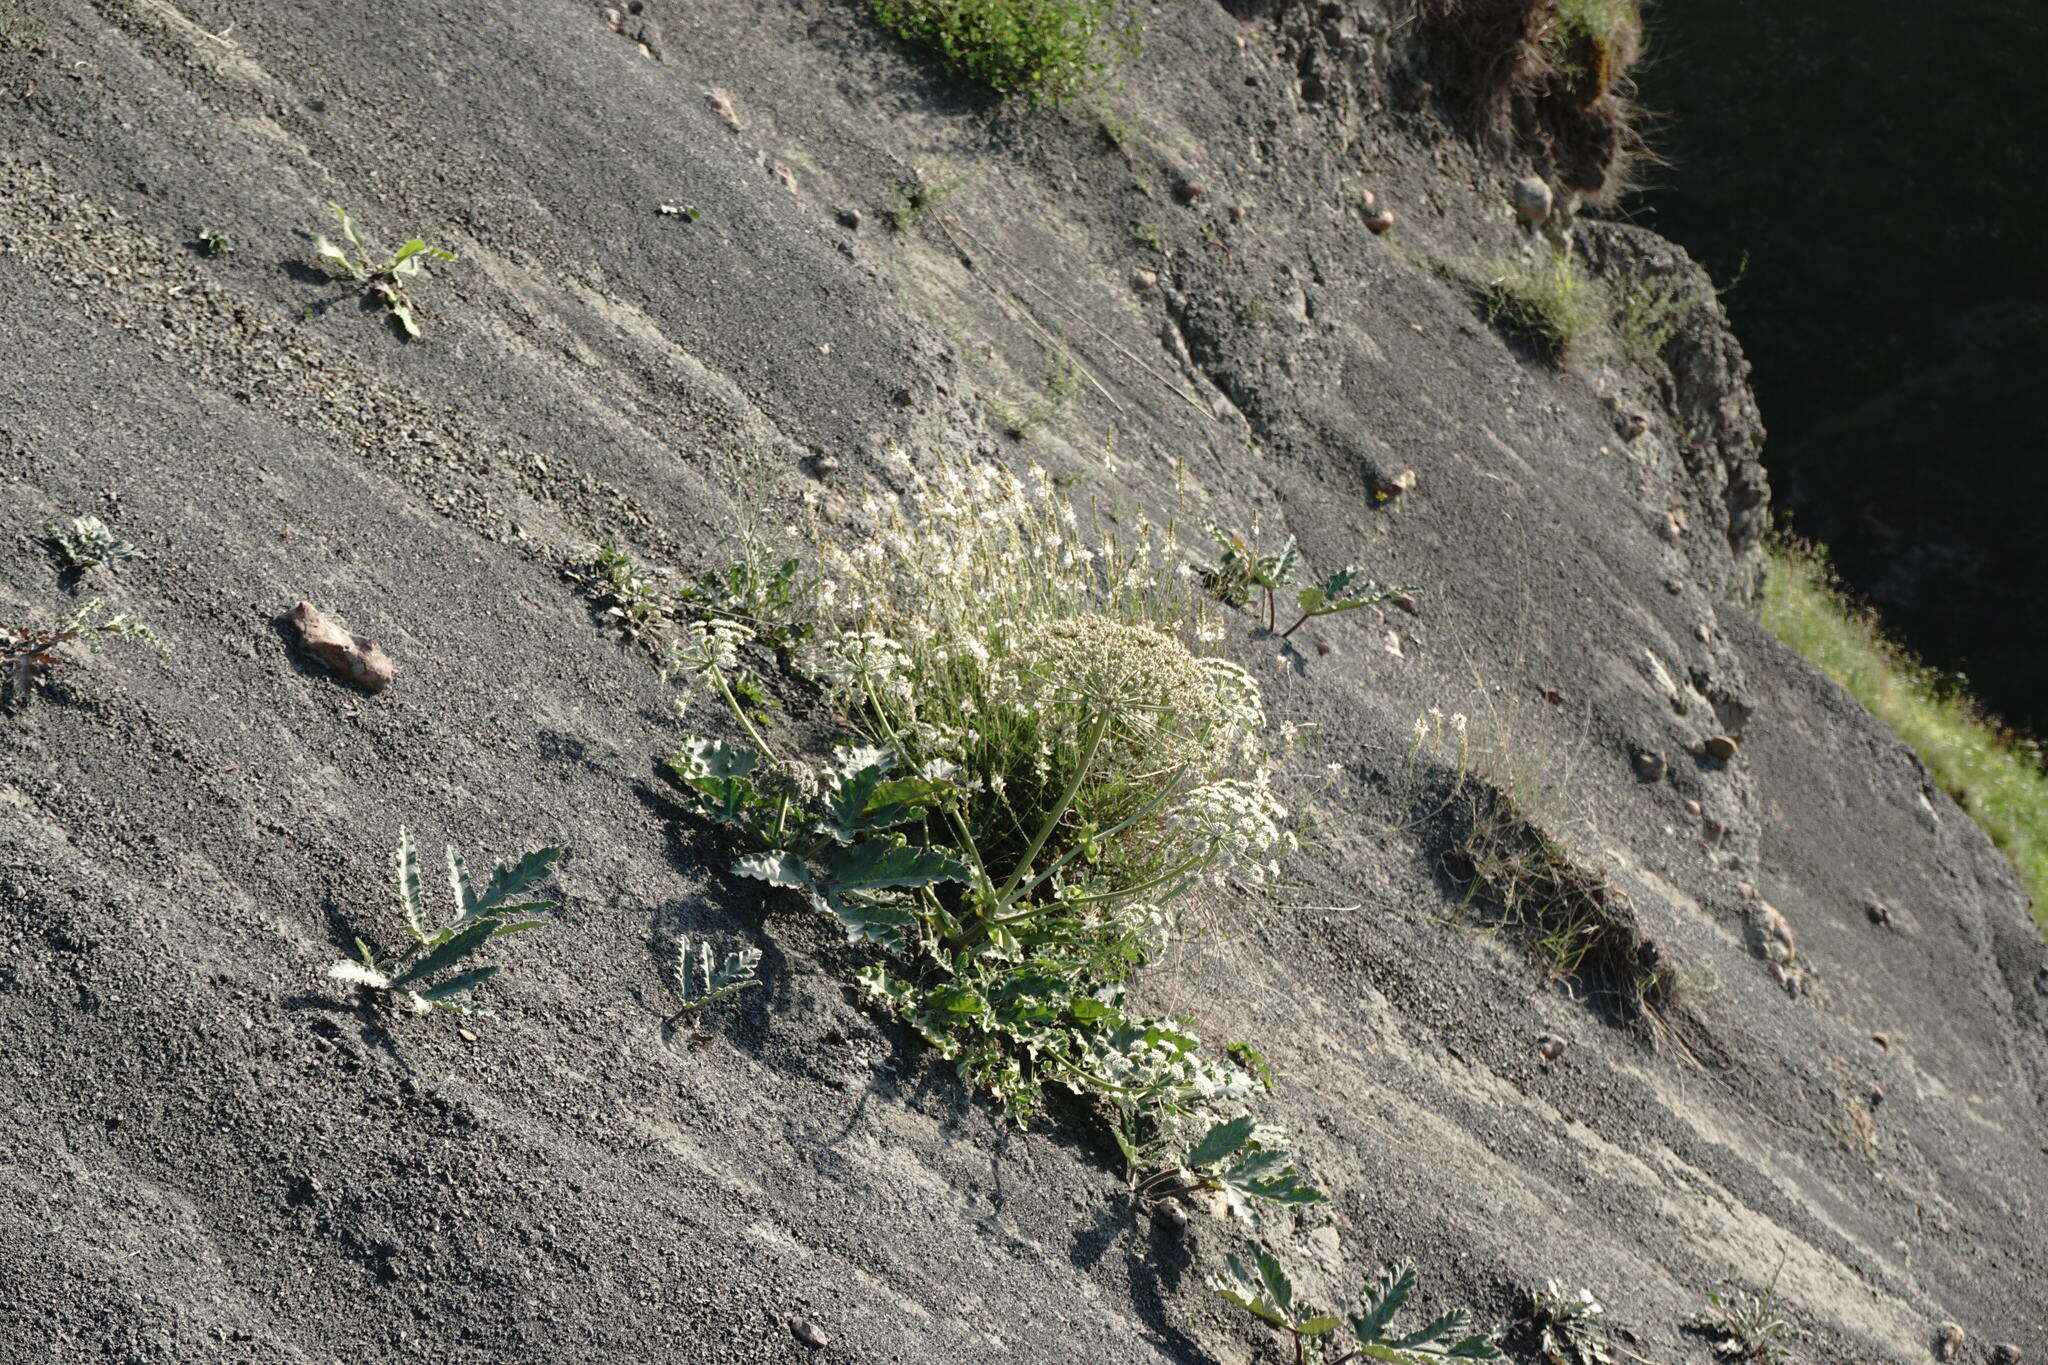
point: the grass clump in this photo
(1047, 49)
(1551, 304)
(1592, 41)
(1994, 774)
(425, 976)
(1749, 1325)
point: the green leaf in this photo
(776, 869)
(458, 882)
(403, 312)
(406, 863)
(1479, 1346)
(1220, 1141)
(448, 954)
(1315, 1327)
(1256, 1166)
(404, 254)
(1273, 1275)
(867, 799)
(458, 983)
(516, 878)
(1383, 1299)
(348, 226)
(1457, 1320)
(1256, 1307)
(867, 920)
(876, 864)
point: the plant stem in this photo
(739, 714)
(1060, 808)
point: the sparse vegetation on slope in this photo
(1551, 304)
(1048, 49)
(1994, 774)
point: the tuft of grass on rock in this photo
(1047, 49)
(1993, 773)
(1551, 304)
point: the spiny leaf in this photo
(876, 864)
(458, 882)
(406, 863)
(448, 954)
(1457, 1320)
(776, 869)
(512, 879)
(1383, 1299)
(1220, 1141)
(458, 983)
(867, 920)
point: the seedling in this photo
(1750, 1324)
(1246, 1162)
(85, 543)
(1266, 1291)
(382, 276)
(424, 975)
(29, 653)
(213, 242)
(1241, 568)
(704, 978)
(1566, 1326)
(689, 213)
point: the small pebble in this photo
(1379, 222)
(1387, 489)
(1405, 603)
(1878, 911)
(465, 1035)
(807, 1332)
(1532, 199)
(1143, 280)
(1948, 1340)
(1649, 767)
(1187, 191)
(2005, 1354)
(1634, 425)
(1721, 747)
(850, 218)
(1550, 1047)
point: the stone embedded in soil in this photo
(806, 1331)
(1550, 1047)
(354, 658)
(1386, 489)
(1649, 767)
(1532, 199)
(1379, 222)
(1720, 747)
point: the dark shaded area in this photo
(1880, 168)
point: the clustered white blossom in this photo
(709, 647)
(1240, 823)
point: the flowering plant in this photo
(1037, 770)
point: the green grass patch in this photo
(1048, 49)
(1550, 304)
(1993, 773)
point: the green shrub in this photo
(1265, 1290)
(1994, 774)
(1035, 772)
(1550, 304)
(1049, 49)
(28, 654)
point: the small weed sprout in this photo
(1552, 304)
(1241, 568)
(213, 242)
(1750, 1324)
(1566, 1326)
(29, 653)
(384, 277)
(1265, 1290)
(425, 975)
(917, 196)
(1062, 382)
(704, 978)
(1147, 236)
(86, 543)
(1047, 49)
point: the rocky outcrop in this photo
(212, 1152)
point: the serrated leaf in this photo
(1256, 1307)
(876, 865)
(869, 921)
(358, 974)
(1273, 1275)
(512, 879)
(459, 884)
(1457, 1320)
(448, 954)
(406, 864)
(1383, 1299)
(1220, 1141)
(776, 869)
(458, 983)
(1479, 1346)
